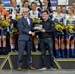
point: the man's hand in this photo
(33, 33)
(43, 30)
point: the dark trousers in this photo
(49, 43)
(21, 47)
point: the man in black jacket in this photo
(46, 38)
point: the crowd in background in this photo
(64, 43)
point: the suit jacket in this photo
(24, 29)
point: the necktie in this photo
(28, 21)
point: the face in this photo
(70, 11)
(33, 6)
(25, 14)
(58, 9)
(1, 6)
(14, 3)
(45, 16)
(45, 2)
(26, 4)
(73, 4)
(63, 9)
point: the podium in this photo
(8, 62)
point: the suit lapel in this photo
(26, 23)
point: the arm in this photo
(22, 28)
(51, 27)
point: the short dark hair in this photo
(33, 3)
(46, 11)
(26, 1)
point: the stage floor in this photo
(72, 71)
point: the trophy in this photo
(37, 24)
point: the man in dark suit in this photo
(25, 38)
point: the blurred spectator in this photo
(70, 38)
(34, 13)
(14, 3)
(3, 31)
(58, 16)
(64, 11)
(26, 5)
(14, 12)
(47, 6)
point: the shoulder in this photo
(21, 19)
(30, 11)
(54, 14)
(49, 19)
(67, 16)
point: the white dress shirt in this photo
(28, 20)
